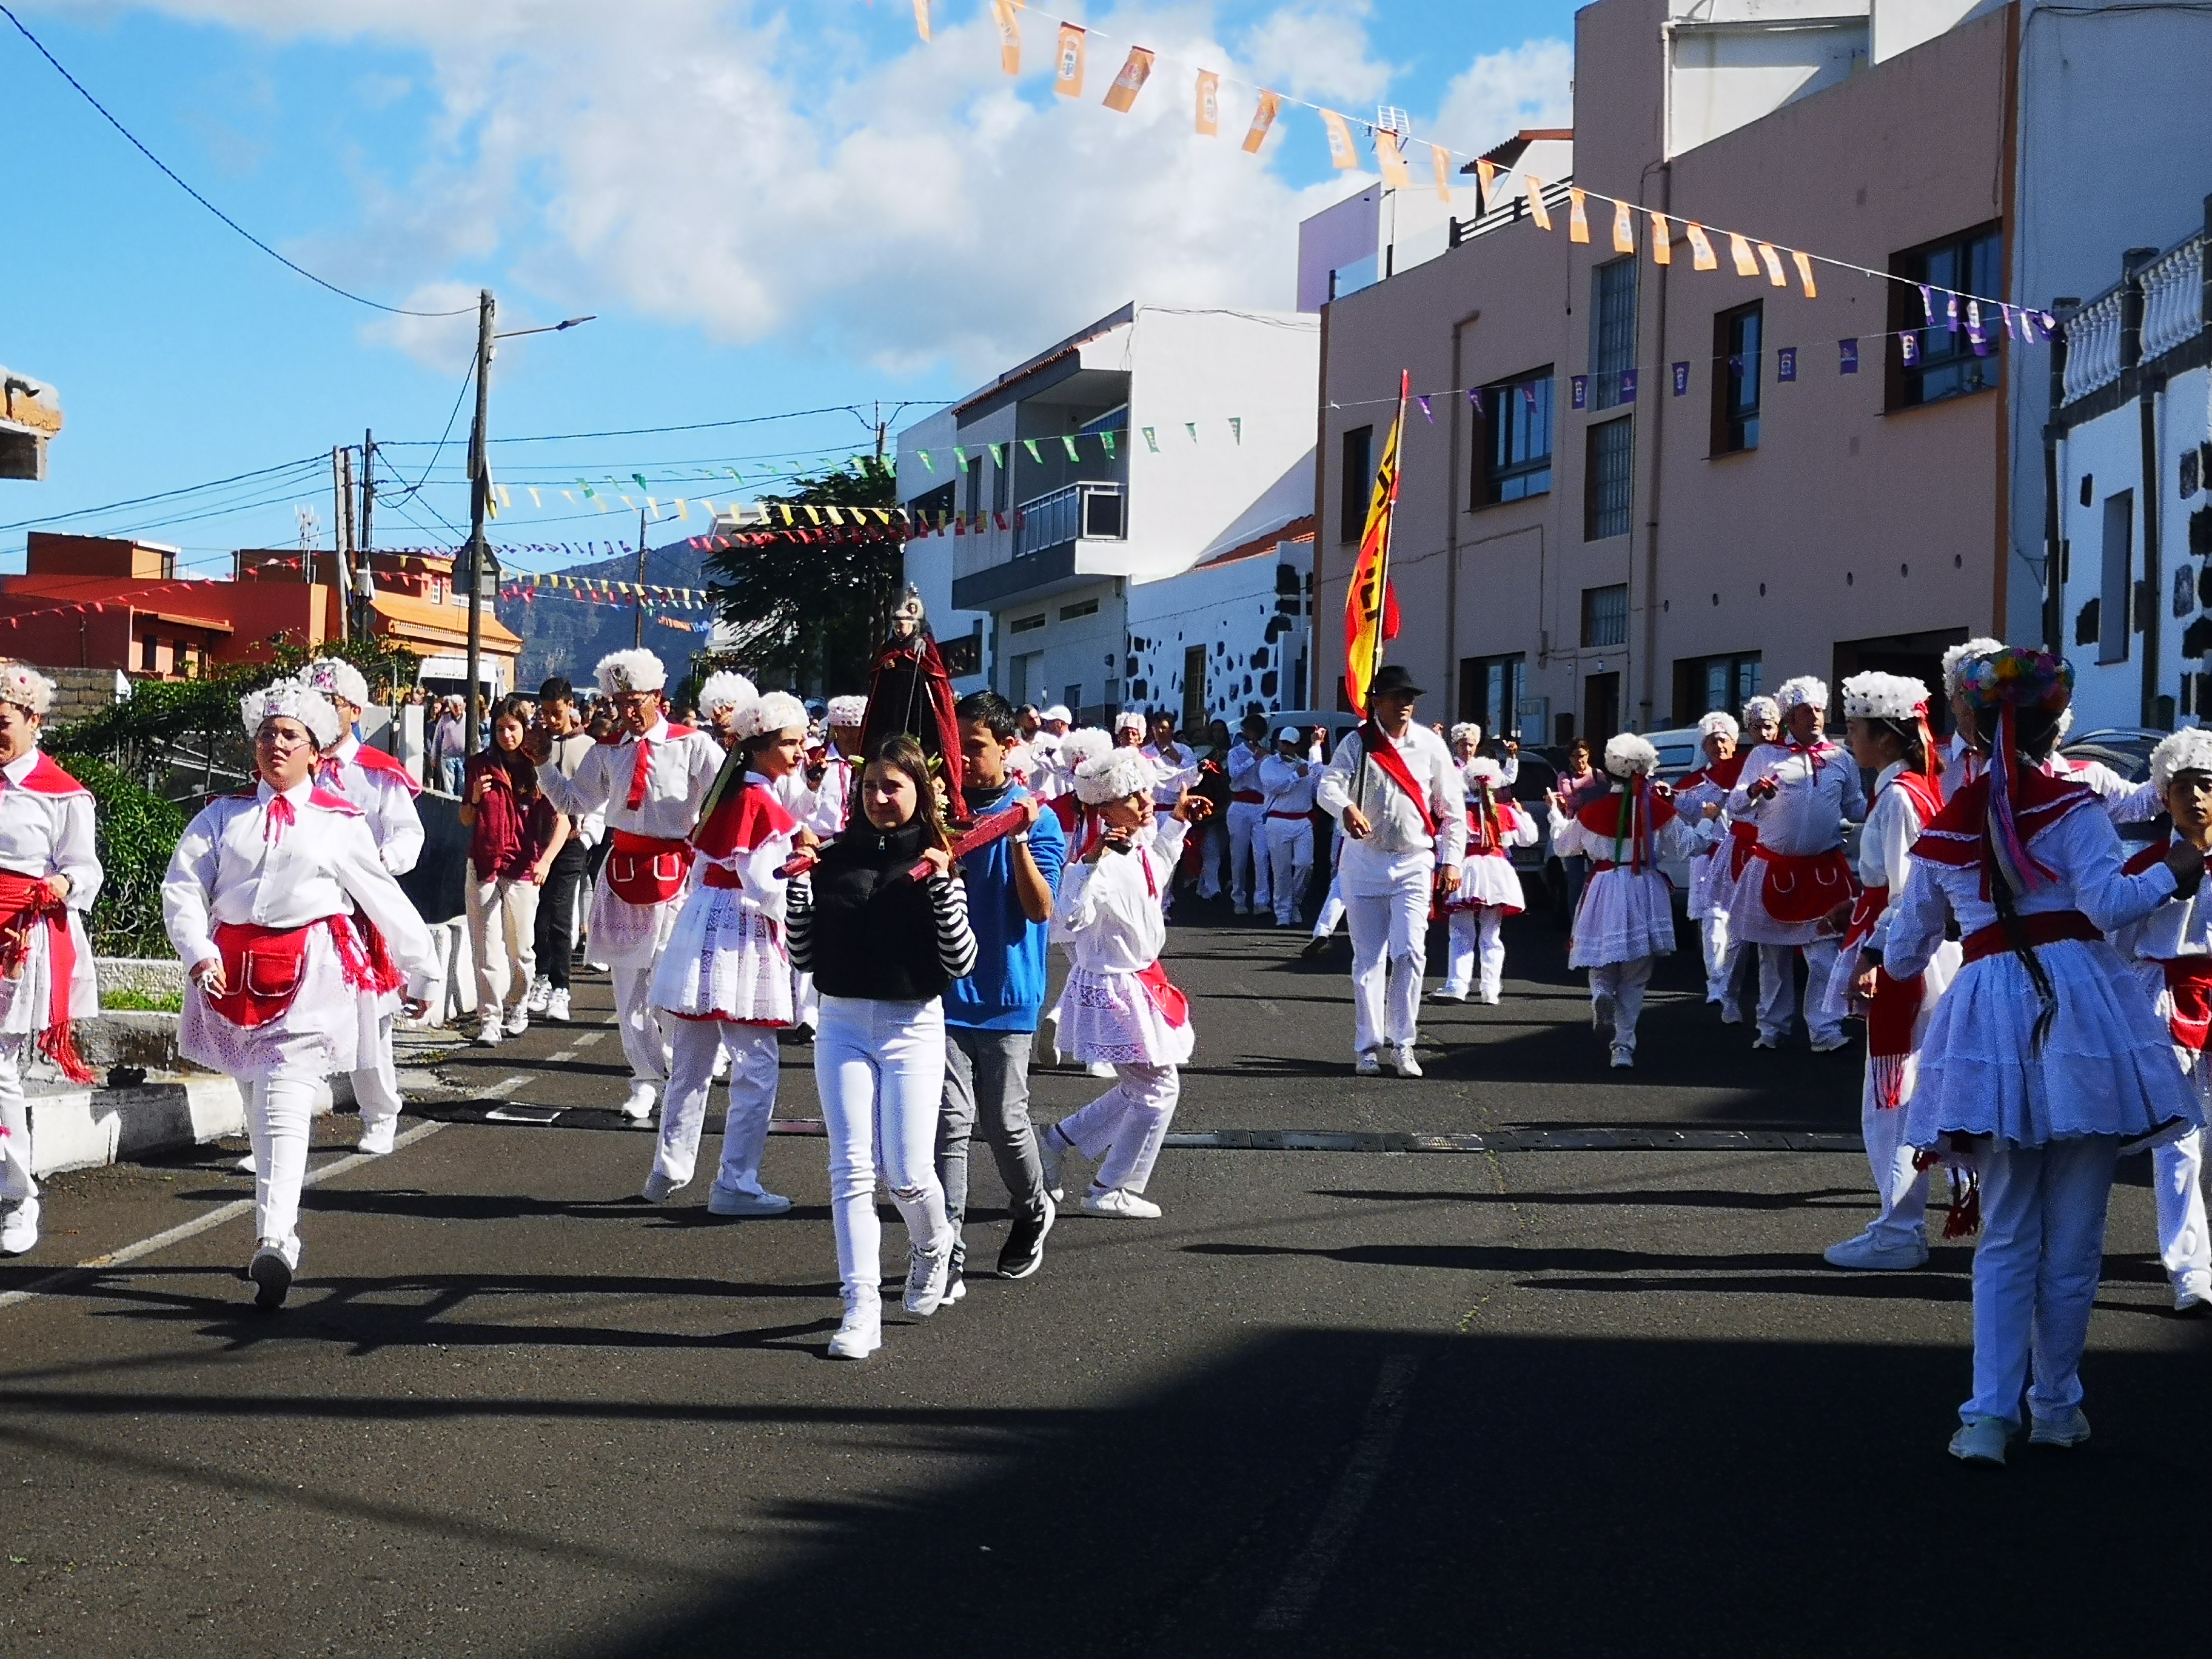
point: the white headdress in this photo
(1719, 724)
(1762, 711)
(293, 700)
(629, 670)
(1081, 744)
(1874, 695)
(725, 691)
(1804, 691)
(1128, 720)
(1959, 656)
(1114, 775)
(1057, 712)
(335, 679)
(1628, 755)
(28, 689)
(776, 711)
(1466, 730)
(1483, 770)
(847, 711)
(2188, 750)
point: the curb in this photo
(90, 1128)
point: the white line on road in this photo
(200, 1224)
(506, 1086)
(589, 1038)
(561, 1057)
(1370, 1454)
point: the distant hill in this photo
(565, 635)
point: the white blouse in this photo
(679, 771)
(45, 834)
(1108, 913)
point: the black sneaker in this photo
(955, 1284)
(1025, 1251)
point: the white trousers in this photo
(806, 1004)
(2177, 1171)
(1777, 989)
(1290, 864)
(1214, 859)
(1389, 954)
(15, 1180)
(1476, 942)
(503, 939)
(644, 1036)
(278, 1110)
(1625, 983)
(1121, 1132)
(1902, 1189)
(692, 1046)
(1332, 909)
(376, 1086)
(1247, 855)
(879, 1070)
(1719, 950)
(2035, 1272)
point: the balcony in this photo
(1047, 530)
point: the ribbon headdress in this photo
(2002, 683)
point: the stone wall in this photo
(80, 692)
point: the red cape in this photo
(741, 822)
(375, 760)
(1959, 834)
(45, 778)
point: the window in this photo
(2117, 577)
(1945, 363)
(1612, 329)
(1704, 683)
(1490, 693)
(1080, 607)
(1605, 614)
(1609, 470)
(1738, 337)
(1193, 688)
(1601, 708)
(975, 484)
(1513, 440)
(1023, 673)
(1357, 482)
(149, 654)
(1025, 624)
(1072, 695)
(1002, 479)
(963, 656)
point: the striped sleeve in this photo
(956, 939)
(799, 922)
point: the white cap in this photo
(1874, 695)
(2188, 750)
(1628, 755)
(1129, 721)
(336, 678)
(725, 691)
(776, 711)
(1762, 711)
(1114, 775)
(629, 670)
(1719, 724)
(28, 689)
(1290, 734)
(1805, 690)
(1057, 712)
(293, 700)
(1466, 730)
(847, 711)
(1959, 656)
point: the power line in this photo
(171, 173)
(634, 431)
(166, 495)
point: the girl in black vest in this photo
(882, 946)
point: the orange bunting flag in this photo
(1209, 104)
(1537, 210)
(1392, 159)
(1773, 263)
(1067, 65)
(1578, 217)
(1440, 158)
(1701, 250)
(1370, 609)
(1341, 155)
(922, 17)
(1009, 36)
(1263, 118)
(1624, 228)
(1130, 82)
(1662, 242)
(1805, 275)
(1740, 251)
(1485, 179)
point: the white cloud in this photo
(1530, 85)
(1318, 49)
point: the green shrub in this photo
(137, 831)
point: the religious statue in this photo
(909, 692)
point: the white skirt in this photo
(724, 959)
(2107, 1068)
(25, 1003)
(330, 1026)
(1488, 880)
(1111, 1018)
(626, 935)
(1708, 883)
(1626, 915)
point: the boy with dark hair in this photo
(556, 909)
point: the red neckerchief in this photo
(641, 767)
(1959, 834)
(1633, 815)
(1721, 774)
(1375, 745)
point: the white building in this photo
(2130, 456)
(1084, 484)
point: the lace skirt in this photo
(626, 935)
(724, 960)
(1488, 880)
(330, 1027)
(1626, 915)
(1112, 1017)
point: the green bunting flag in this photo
(1068, 444)
(1152, 440)
(1237, 428)
(998, 456)
(926, 461)
(959, 455)
(1191, 426)
(1030, 444)
(1107, 438)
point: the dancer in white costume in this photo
(284, 990)
(1962, 764)
(2043, 1057)
(1701, 797)
(1626, 921)
(1489, 887)
(49, 876)
(1117, 1007)
(1288, 780)
(1887, 717)
(649, 781)
(1249, 873)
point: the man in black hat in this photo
(1395, 790)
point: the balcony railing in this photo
(1091, 511)
(2173, 312)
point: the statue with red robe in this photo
(910, 693)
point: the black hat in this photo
(1391, 678)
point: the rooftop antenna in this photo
(1388, 117)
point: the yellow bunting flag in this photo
(1578, 217)
(922, 18)
(1805, 275)
(1130, 82)
(1341, 155)
(1209, 104)
(1740, 251)
(1392, 159)
(1485, 181)
(1440, 159)
(1262, 118)
(1537, 210)
(1370, 609)
(836, 517)
(1701, 250)
(1662, 242)
(1009, 36)
(1772, 261)
(1624, 228)
(1067, 67)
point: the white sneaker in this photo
(1624, 1057)
(489, 1034)
(377, 1136)
(556, 1007)
(1120, 1204)
(1730, 1014)
(275, 1261)
(658, 1187)
(518, 1020)
(1052, 1037)
(18, 1227)
(1763, 1041)
(1448, 995)
(1100, 1068)
(1829, 1045)
(925, 1277)
(2070, 1428)
(1490, 998)
(862, 1333)
(1601, 1013)
(1981, 1440)
(1052, 1147)
(541, 993)
(1402, 1060)
(639, 1106)
(1367, 1065)
(727, 1201)
(2192, 1296)
(1870, 1254)
(1239, 909)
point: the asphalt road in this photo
(1484, 1401)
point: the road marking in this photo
(1347, 1501)
(200, 1224)
(506, 1086)
(589, 1038)
(561, 1058)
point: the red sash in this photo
(1174, 1006)
(1375, 745)
(647, 869)
(1800, 890)
(2189, 983)
(1742, 838)
(2042, 927)
(24, 904)
(1889, 1033)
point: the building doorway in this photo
(1600, 708)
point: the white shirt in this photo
(1816, 790)
(1396, 851)
(1244, 768)
(1892, 824)
(679, 773)
(589, 828)
(1178, 769)
(1108, 913)
(44, 834)
(234, 865)
(386, 802)
(1289, 786)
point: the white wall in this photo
(1084, 651)
(1735, 61)
(1231, 609)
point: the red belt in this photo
(1247, 797)
(651, 846)
(2044, 927)
(2189, 987)
(1300, 817)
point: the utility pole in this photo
(342, 534)
(366, 584)
(479, 500)
(880, 426)
(640, 640)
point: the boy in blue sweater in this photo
(990, 1016)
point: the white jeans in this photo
(278, 1110)
(1624, 981)
(1121, 1132)
(1719, 949)
(1248, 856)
(1477, 942)
(693, 1044)
(1290, 864)
(1332, 909)
(1902, 1189)
(2177, 1171)
(644, 1037)
(1389, 954)
(1213, 865)
(376, 1086)
(879, 1070)
(503, 939)
(1777, 990)
(2035, 1272)
(15, 1180)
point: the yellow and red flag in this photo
(1371, 608)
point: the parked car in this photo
(2126, 749)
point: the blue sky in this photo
(769, 208)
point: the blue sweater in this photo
(1007, 991)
